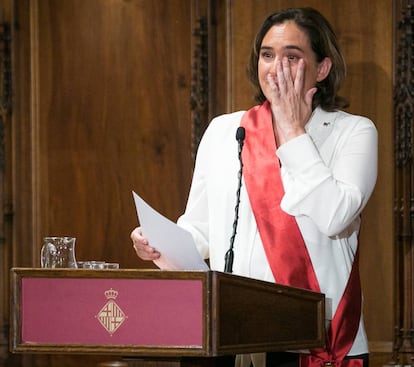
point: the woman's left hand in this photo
(291, 107)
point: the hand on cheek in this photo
(291, 106)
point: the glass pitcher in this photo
(58, 252)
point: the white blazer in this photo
(328, 176)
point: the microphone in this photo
(240, 135)
(228, 260)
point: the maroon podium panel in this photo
(161, 312)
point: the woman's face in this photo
(287, 40)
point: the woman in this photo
(308, 171)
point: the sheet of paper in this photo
(176, 245)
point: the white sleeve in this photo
(195, 218)
(332, 187)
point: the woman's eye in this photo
(267, 55)
(292, 58)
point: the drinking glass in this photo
(58, 252)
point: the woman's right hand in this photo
(141, 246)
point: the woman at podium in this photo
(291, 177)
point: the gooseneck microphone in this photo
(228, 260)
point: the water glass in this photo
(58, 252)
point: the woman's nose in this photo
(276, 61)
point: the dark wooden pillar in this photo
(5, 215)
(404, 182)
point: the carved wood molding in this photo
(404, 182)
(5, 84)
(404, 86)
(5, 118)
(199, 82)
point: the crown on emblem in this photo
(111, 294)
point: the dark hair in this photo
(324, 44)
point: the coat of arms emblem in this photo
(111, 315)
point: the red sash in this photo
(282, 240)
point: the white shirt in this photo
(328, 176)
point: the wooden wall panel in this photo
(111, 114)
(102, 107)
(367, 46)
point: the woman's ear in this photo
(324, 68)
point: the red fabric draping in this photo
(283, 242)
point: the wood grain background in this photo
(102, 93)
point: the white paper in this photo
(176, 245)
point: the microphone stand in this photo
(229, 257)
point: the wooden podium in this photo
(159, 315)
